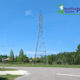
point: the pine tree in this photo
(11, 56)
(21, 54)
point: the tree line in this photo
(11, 58)
(65, 57)
(60, 58)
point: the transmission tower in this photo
(40, 44)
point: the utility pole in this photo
(40, 44)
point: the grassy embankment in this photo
(7, 69)
(7, 77)
(41, 65)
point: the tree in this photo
(37, 60)
(25, 58)
(11, 56)
(78, 48)
(50, 59)
(22, 57)
(0, 58)
(15, 59)
(78, 55)
(21, 54)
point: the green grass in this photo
(7, 69)
(8, 77)
(41, 65)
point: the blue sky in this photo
(19, 25)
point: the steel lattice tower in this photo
(40, 44)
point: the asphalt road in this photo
(50, 73)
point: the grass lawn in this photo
(8, 77)
(7, 69)
(41, 65)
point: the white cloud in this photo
(28, 12)
(61, 7)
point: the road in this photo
(39, 73)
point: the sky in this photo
(19, 26)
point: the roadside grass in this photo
(7, 69)
(40, 65)
(8, 77)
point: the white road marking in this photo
(71, 75)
